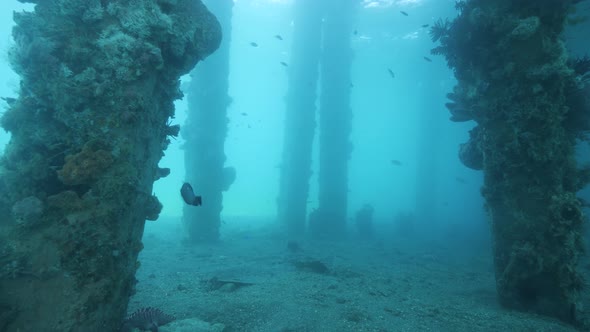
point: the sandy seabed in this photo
(392, 284)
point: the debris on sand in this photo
(314, 266)
(228, 285)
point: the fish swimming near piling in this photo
(187, 193)
(146, 319)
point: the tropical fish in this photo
(253, 44)
(403, 13)
(391, 73)
(146, 319)
(188, 195)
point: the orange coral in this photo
(84, 167)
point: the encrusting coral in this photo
(91, 121)
(516, 81)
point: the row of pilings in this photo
(321, 57)
(90, 125)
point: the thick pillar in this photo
(88, 129)
(300, 116)
(516, 82)
(335, 118)
(205, 132)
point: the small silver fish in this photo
(188, 195)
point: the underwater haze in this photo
(418, 251)
(386, 124)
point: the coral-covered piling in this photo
(88, 128)
(516, 81)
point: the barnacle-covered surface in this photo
(88, 129)
(530, 103)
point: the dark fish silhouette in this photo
(403, 13)
(355, 32)
(284, 64)
(146, 319)
(187, 193)
(425, 25)
(391, 73)
(278, 37)
(427, 59)
(244, 114)
(396, 162)
(253, 44)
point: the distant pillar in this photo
(515, 82)
(205, 132)
(335, 119)
(300, 116)
(98, 81)
(428, 147)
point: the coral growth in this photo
(27, 210)
(85, 166)
(516, 82)
(98, 82)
